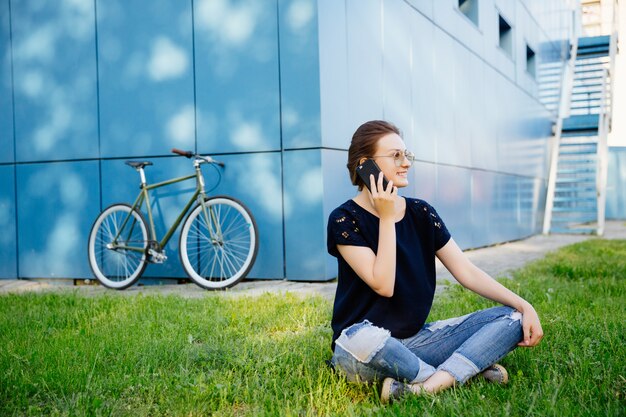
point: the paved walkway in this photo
(498, 261)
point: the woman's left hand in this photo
(533, 333)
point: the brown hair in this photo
(363, 145)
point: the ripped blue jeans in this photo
(462, 346)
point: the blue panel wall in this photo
(6, 87)
(255, 179)
(453, 192)
(616, 184)
(145, 64)
(304, 217)
(274, 88)
(336, 181)
(237, 79)
(57, 204)
(54, 65)
(299, 74)
(8, 237)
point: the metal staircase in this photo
(577, 182)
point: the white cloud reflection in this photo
(310, 186)
(231, 24)
(167, 60)
(247, 135)
(181, 127)
(299, 14)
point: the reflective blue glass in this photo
(54, 65)
(145, 63)
(305, 249)
(57, 203)
(6, 87)
(98, 81)
(8, 237)
(237, 76)
(616, 184)
(255, 179)
(299, 74)
(453, 202)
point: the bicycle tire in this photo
(118, 269)
(213, 263)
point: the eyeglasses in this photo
(398, 157)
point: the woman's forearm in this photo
(481, 283)
(384, 270)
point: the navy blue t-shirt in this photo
(419, 234)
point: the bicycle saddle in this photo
(138, 164)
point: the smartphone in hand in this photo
(369, 167)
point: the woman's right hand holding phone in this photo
(383, 200)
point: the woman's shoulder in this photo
(423, 209)
(349, 208)
(416, 204)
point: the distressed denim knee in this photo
(365, 352)
(487, 346)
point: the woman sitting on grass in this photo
(385, 247)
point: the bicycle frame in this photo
(144, 196)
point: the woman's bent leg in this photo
(487, 346)
(366, 353)
(465, 346)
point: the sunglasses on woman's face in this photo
(398, 157)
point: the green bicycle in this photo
(218, 239)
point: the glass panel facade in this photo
(275, 89)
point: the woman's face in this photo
(386, 147)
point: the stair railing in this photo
(567, 83)
(602, 151)
(604, 125)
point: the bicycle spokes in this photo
(219, 243)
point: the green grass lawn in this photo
(66, 354)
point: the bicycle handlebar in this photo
(189, 154)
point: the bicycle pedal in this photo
(157, 257)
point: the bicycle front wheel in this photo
(218, 243)
(117, 246)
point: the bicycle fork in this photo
(210, 218)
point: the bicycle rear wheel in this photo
(218, 244)
(118, 264)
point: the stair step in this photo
(575, 180)
(584, 78)
(576, 171)
(578, 133)
(581, 94)
(581, 219)
(574, 210)
(596, 71)
(571, 199)
(587, 192)
(566, 206)
(579, 152)
(582, 122)
(591, 160)
(590, 141)
(586, 61)
(594, 52)
(574, 193)
(586, 41)
(588, 84)
(574, 145)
